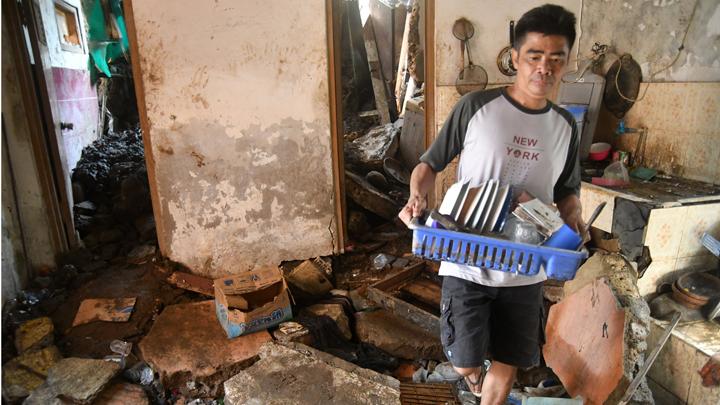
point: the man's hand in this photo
(414, 208)
(421, 182)
(571, 212)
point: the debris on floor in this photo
(252, 301)
(188, 344)
(104, 309)
(298, 374)
(397, 336)
(74, 379)
(596, 334)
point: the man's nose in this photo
(544, 67)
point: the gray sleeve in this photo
(449, 142)
(569, 180)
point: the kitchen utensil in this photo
(623, 85)
(472, 77)
(599, 151)
(504, 59)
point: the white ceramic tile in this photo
(658, 272)
(664, 232)
(697, 220)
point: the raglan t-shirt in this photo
(498, 138)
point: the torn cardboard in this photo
(104, 309)
(251, 301)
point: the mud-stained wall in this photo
(237, 101)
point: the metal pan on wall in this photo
(473, 77)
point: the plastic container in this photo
(564, 238)
(599, 151)
(495, 254)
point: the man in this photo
(517, 136)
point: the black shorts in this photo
(503, 323)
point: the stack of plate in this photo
(480, 209)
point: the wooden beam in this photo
(145, 125)
(429, 52)
(332, 17)
(376, 75)
(401, 78)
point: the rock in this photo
(27, 372)
(80, 380)
(400, 263)
(310, 279)
(45, 395)
(141, 254)
(372, 148)
(397, 336)
(369, 197)
(122, 394)
(34, 334)
(297, 374)
(293, 332)
(336, 312)
(377, 179)
(85, 208)
(359, 300)
(187, 343)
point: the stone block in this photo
(397, 336)
(298, 374)
(187, 343)
(122, 394)
(310, 279)
(336, 312)
(34, 334)
(78, 380)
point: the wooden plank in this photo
(192, 282)
(430, 90)
(332, 18)
(162, 238)
(424, 291)
(398, 278)
(402, 75)
(424, 319)
(376, 75)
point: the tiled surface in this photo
(657, 273)
(698, 220)
(664, 232)
(676, 367)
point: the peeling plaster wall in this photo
(237, 101)
(682, 116)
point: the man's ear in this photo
(514, 57)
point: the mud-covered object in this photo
(108, 161)
(622, 79)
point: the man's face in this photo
(540, 64)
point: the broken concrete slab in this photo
(34, 334)
(596, 334)
(80, 380)
(397, 336)
(27, 372)
(45, 395)
(122, 394)
(104, 309)
(294, 373)
(336, 312)
(372, 148)
(187, 343)
(310, 278)
(369, 197)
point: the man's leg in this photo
(473, 377)
(498, 383)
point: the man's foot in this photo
(474, 382)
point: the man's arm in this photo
(421, 182)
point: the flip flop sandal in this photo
(475, 387)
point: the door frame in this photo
(336, 121)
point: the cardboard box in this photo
(251, 301)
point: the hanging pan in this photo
(622, 85)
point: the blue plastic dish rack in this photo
(495, 254)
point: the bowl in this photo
(599, 151)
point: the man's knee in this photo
(503, 373)
(466, 371)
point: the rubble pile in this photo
(113, 211)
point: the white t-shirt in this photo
(497, 138)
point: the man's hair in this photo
(549, 19)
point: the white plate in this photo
(471, 201)
(448, 202)
(492, 191)
(496, 209)
(477, 212)
(460, 202)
